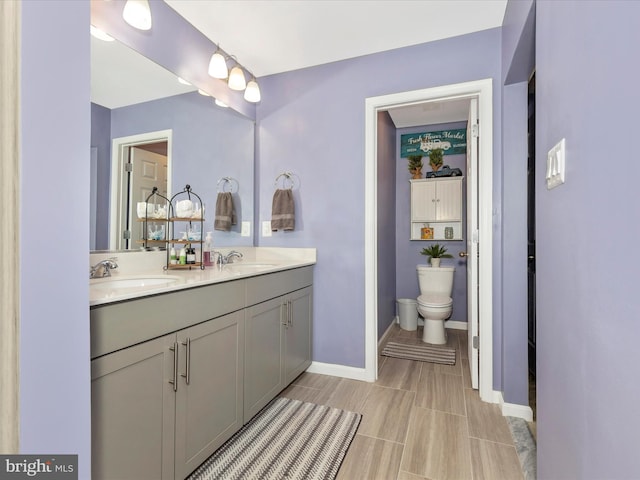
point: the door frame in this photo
(118, 146)
(483, 90)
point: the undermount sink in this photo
(137, 282)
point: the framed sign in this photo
(452, 142)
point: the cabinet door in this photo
(210, 387)
(423, 201)
(132, 412)
(449, 200)
(263, 359)
(298, 334)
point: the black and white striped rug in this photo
(421, 353)
(289, 440)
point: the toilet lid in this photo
(434, 299)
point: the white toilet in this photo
(435, 303)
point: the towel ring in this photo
(227, 181)
(288, 176)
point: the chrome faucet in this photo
(224, 259)
(103, 268)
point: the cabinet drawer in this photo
(123, 324)
(266, 287)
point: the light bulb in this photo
(100, 35)
(252, 93)
(218, 66)
(236, 79)
(137, 13)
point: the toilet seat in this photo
(434, 300)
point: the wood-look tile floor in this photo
(421, 421)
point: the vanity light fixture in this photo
(100, 35)
(220, 103)
(252, 93)
(202, 92)
(137, 13)
(236, 79)
(218, 65)
(183, 81)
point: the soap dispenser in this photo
(208, 247)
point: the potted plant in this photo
(435, 158)
(435, 252)
(415, 165)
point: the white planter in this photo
(435, 262)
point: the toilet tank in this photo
(435, 279)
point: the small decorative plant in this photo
(415, 165)
(435, 158)
(435, 252)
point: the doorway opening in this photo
(531, 240)
(482, 90)
(138, 163)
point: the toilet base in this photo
(434, 332)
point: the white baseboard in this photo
(513, 409)
(343, 371)
(387, 333)
(456, 325)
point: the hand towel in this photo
(282, 210)
(225, 212)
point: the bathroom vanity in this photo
(176, 373)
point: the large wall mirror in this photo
(172, 135)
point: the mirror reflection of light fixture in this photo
(218, 65)
(137, 13)
(236, 79)
(220, 103)
(252, 93)
(100, 35)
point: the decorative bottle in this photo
(208, 245)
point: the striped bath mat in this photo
(421, 353)
(289, 440)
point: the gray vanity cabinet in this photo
(133, 405)
(210, 389)
(277, 335)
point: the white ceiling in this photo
(277, 36)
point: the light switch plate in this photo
(246, 229)
(556, 159)
(266, 229)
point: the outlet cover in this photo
(266, 228)
(246, 229)
(556, 159)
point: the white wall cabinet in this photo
(436, 203)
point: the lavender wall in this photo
(208, 143)
(408, 251)
(101, 140)
(588, 303)
(386, 211)
(311, 122)
(54, 373)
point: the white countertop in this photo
(149, 265)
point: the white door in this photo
(472, 238)
(149, 170)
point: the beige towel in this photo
(282, 210)
(225, 212)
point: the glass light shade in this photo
(137, 13)
(183, 81)
(218, 66)
(202, 92)
(220, 103)
(100, 35)
(236, 79)
(252, 93)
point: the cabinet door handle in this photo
(174, 382)
(285, 316)
(290, 313)
(187, 360)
